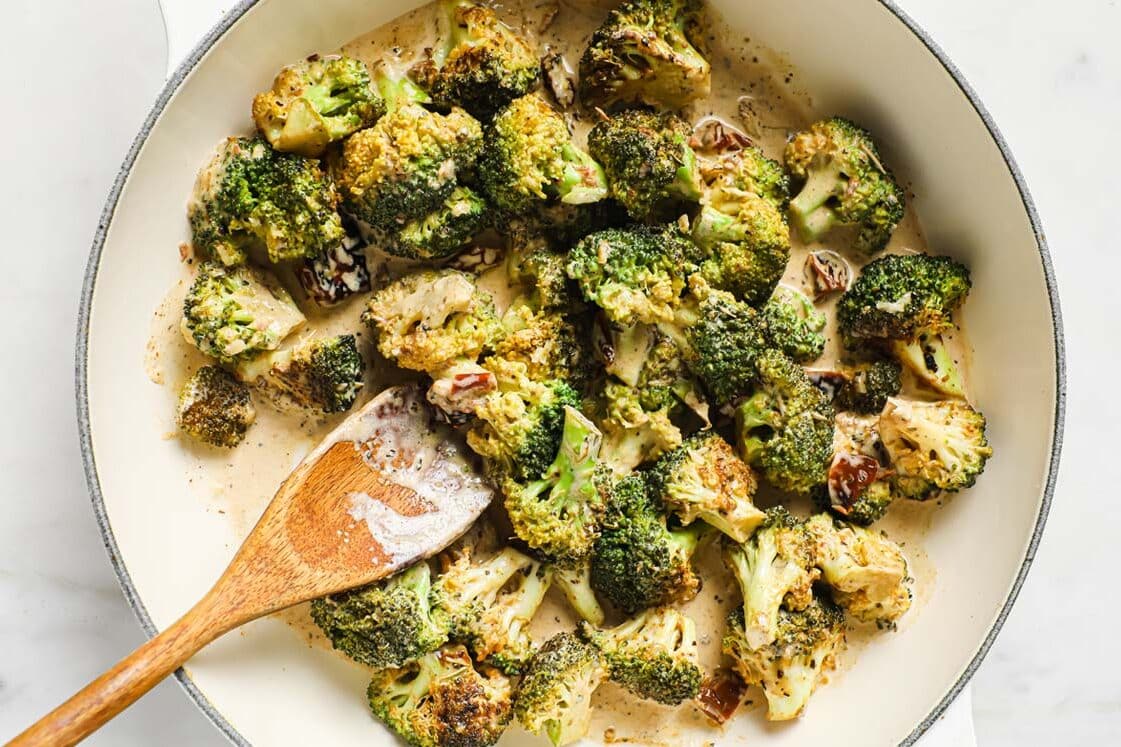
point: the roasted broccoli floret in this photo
(866, 571)
(575, 582)
(786, 428)
(554, 698)
(468, 586)
(636, 428)
(316, 102)
(774, 568)
(234, 314)
(322, 374)
(383, 625)
(633, 274)
(549, 343)
(934, 446)
(859, 486)
(444, 231)
(790, 667)
(639, 562)
(407, 165)
(441, 701)
(646, 52)
(559, 514)
(654, 655)
(519, 425)
(791, 324)
(931, 361)
(741, 227)
(539, 269)
(650, 167)
(430, 319)
(215, 408)
(898, 296)
(704, 479)
(250, 196)
(866, 387)
(845, 183)
(479, 62)
(530, 158)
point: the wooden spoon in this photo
(386, 488)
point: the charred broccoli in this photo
(479, 62)
(866, 387)
(646, 52)
(554, 698)
(775, 569)
(445, 231)
(786, 428)
(530, 158)
(845, 183)
(250, 196)
(651, 169)
(315, 102)
(234, 314)
(654, 655)
(441, 700)
(791, 666)
(383, 625)
(322, 374)
(898, 296)
(933, 446)
(215, 408)
(704, 479)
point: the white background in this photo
(76, 80)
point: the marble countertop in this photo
(1049, 74)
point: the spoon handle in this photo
(133, 676)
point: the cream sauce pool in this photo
(746, 78)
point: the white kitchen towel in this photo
(188, 21)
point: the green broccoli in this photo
(550, 344)
(575, 582)
(650, 167)
(898, 296)
(384, 625)
(534, 265)
(234, 314)
(859, 486)
(430, 319)
(215, 408)
(250, 196)
(530, 158)
(634, 274)
(929, 359)
(468, 586)
(636, 428)
(786, 428)
(654, 655)
(559, 514)
(845, 183)
(646, 52)
(866, 571)
(443, 232)
(866, 387)
(741, 227)
(704, 479)
(554, 698)
(407, 165)
(323, 374)
(774, 568)
(441, 700)
(479, 62)
(639, 562)
(315, 102)
(789, 668)
(793, 325)
(933, 446)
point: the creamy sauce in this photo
(239, 483)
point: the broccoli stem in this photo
(688, 185)
(584, 181)
(812, 216)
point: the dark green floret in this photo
(384, 625)
(844, 183)
(554, 698)
(791, 324)
(868, 386)
(252, 197)
(445, 231)
(786, 428)
(897, 296)
(646, 52)
(316, 102)
(322, 374)
(650, 167)
(441, 700)
(215, 408)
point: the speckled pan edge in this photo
(232, 17)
